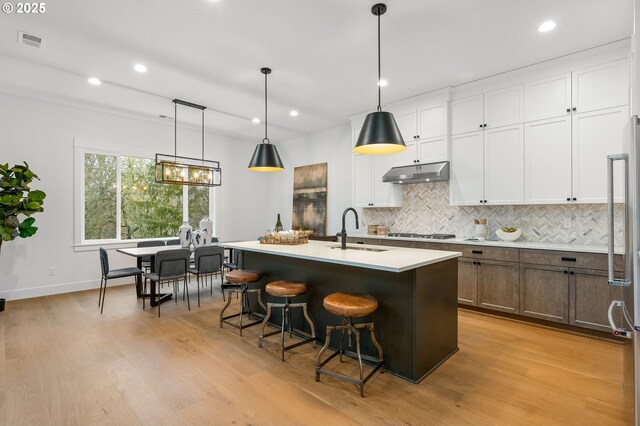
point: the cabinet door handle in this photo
(571, 273)
(479, 263)
(565, 272)
(481, 126)
(480, 201)
(359, 242)
(484, 125)
(574, 199)
(485, 201)
(568, 259)
(568, 109)
(568, 198)
(476, 251)
(574, 109)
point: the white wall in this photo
(43, 133)
(332, 146)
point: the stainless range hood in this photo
(419, 173)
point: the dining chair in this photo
(171, 266)
(207, 261)
(108, 274)
(146, 260)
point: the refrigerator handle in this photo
(626, 280)
(620, 331)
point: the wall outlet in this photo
(567, 222)
(52, 270)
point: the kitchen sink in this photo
(358, 248)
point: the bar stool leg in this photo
(264, 324)
(285, 313)
(242, 297)
(225, 307)
(377, 345)
(313, 328)
(327, 340)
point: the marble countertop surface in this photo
(391, 259)
(514, 244)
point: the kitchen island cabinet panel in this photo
(498, 286)
(545, 292)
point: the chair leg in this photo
(198, 283)
(327, 340)
(285, 313)
(242, 297)
(186, 290)
(100, 294)
(158, 297)
(104, 292)
(222, 283)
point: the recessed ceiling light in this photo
(140, 67)
(546, 26)
(382, 82)
(293, 113)
(94, 81)
(255, 120)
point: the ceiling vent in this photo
(30, 39)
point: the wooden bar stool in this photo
(241, 279)
(287, 290)
(349, 306)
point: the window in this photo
(120, 200)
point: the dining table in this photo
(139, 253)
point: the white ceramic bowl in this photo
(508, 236)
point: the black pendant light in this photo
(265, 157)
(380, 133)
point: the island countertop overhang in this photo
(390, 259)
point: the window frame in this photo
(84, 146)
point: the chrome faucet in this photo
(343, 233)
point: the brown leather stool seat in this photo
(241, 276)
(286, 289)
(350, 305)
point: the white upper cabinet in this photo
(504, 165)
(433, 150)
(407, 121)
(467, 178)
(547, 153)
(362, 180)
(384, 194)
(432, 120)
(547, 98)
(355, 133)
(601, 86)
(467, 115)
(504, 107)
(595, 135)
(408, 157)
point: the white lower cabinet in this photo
(368, 188)
(547, 154)
(466, 185)
(595, 135)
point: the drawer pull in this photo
(476, 251)
(568, 259)
(359, 242)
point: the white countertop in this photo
(392, 259)
(514, 244)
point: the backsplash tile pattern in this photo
(426, 210)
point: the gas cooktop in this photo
(425, 236)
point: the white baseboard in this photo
(48, 290)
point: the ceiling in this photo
(323, 54)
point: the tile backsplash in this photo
(426, 210)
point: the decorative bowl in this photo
(508, 236)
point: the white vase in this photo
(206, 227)
(199, 239)
(184, 232)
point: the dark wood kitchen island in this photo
(416, 322)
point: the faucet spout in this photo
(343, 233)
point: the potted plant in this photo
(17, 203)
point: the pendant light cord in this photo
(202, 137)
(265, 110)
(379, 73)
(175, 131)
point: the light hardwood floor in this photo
(61, 362)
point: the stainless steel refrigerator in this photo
(623, 315)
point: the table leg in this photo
(139, 278)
